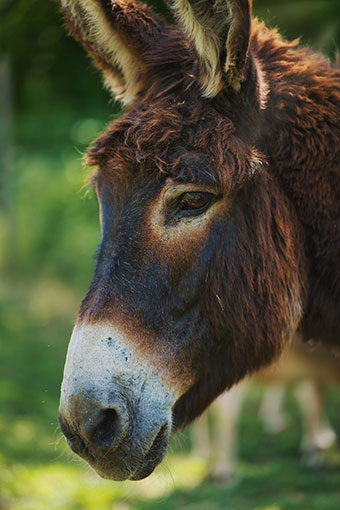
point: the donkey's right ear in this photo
(219, 31)
(116, 34)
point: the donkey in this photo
(308, 370)
(218, 192)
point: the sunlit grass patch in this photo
(74, 486)
(57, 487)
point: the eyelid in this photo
(207, 197)
(173, 192)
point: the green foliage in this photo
(48, 232)
(317, 23)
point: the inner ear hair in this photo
(237, 41)
(219, 31)
(116, 34)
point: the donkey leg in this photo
(271, 410)
(227, 410)
(317, 433)
(200, 436)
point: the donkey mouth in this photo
(154, 456)
(126, 465)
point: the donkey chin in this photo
(134, 459)
(120, 424)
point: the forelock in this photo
(177, 137)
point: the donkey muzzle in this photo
(114, 412)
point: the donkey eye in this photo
(195, 201)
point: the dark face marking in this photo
(180, 260)
(195, 244)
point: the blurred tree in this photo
(32, 32)
(6, 162)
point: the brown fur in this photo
(270, 143)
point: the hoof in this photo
(225, 478)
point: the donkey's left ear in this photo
(117, 34)
(219, 30)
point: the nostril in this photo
(105, 428)
(91, 426)
(108, 430)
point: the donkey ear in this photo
(116, 34)
(219, 30)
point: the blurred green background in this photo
(52, 104)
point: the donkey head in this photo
(197, 281)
